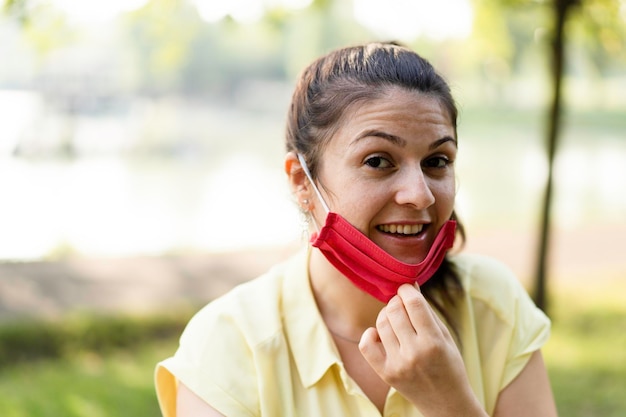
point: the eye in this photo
(437, 162)
(378, 162)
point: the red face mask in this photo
(368, 266)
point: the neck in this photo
(346, 310)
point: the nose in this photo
(414, 189)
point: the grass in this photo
(85, 385)
(22, 341)
(85, 365)
(586, 357)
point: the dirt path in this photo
(146, 284)
(130, 285)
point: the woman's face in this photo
(389, 171)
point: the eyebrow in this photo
(399, 141)
(441, 141)
(377, 133)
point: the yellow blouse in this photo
(263, 348)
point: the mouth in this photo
(401, 229)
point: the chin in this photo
(408, 258)
(412, 260)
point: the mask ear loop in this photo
(305, 168)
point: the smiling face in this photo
(388, 169)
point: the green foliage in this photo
(586, 355)
(43, 26)
(94, 376)
(598, 27)
(118, 384)
(33, 340)
(159, 36)
(16, 9)
(169, 49)
(595, 28)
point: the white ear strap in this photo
(310, 177)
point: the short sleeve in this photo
(213, 360)
(531, 332)
(501, 326)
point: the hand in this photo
(413, 351)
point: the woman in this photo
(374, 318)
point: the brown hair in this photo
(338, 80)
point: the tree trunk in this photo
(560, 9)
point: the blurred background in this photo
(141, 148)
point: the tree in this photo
(603, 16)
(601, 34)
(561, 10)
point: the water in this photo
(114, 207)
(173, 176)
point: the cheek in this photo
(445, 193)
(361, 205)
(360, 214)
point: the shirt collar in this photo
(311, 345)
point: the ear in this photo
(298, 181)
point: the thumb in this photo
(372, 348)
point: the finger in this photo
(372, 349)
(441, 323)
(419, 312)
(385, 331)
(400, 322)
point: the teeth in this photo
(404, 229)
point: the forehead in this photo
(397, 111)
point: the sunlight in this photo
(400, 19)
(87, 12)
(262, 215)
(408, 19)
(243, 11)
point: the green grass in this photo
(84, 365)
(586, 355)
(586, 358)
(85, 385)
(22, 341)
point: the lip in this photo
(408, 222)
(423, 223)
(424, 226)
(408, 248)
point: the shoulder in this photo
(478, 271)
(250, 310)
(490, 281)
(218, 355)
(500, 324)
